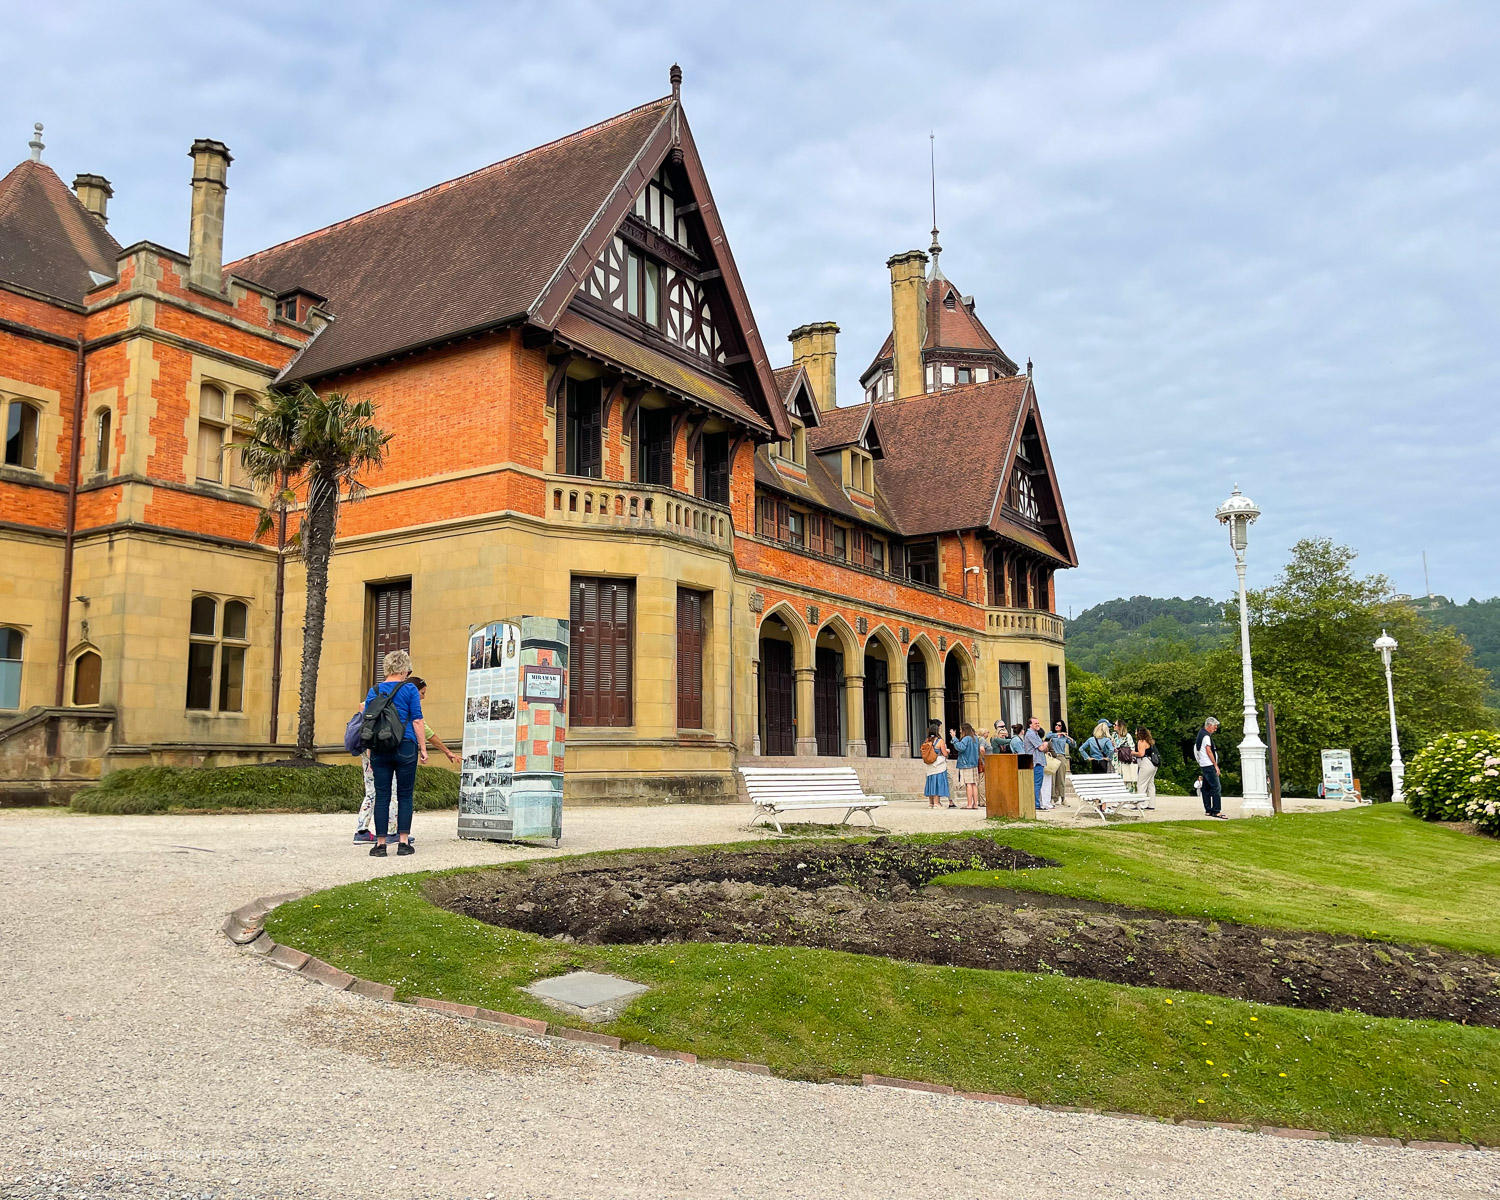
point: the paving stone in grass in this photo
(587, 993)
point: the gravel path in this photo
(141, 1055)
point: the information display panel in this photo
(515, 730)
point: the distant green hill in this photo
(1478, 622)
(1122, 633)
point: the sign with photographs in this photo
(1338, 775)
(515, 729)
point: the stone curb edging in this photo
(245, 927)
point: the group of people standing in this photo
(1111, 747)
(967, 750)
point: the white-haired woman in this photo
(397, 766)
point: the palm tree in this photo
(308, 451)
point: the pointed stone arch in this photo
(929, 652)
(802, 644)
(783, 682)
(885, 714)
(893, 651)
(849, 643)
(960, 687)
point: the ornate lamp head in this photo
(1239, 513)
(1385, 643)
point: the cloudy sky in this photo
(1243, 242)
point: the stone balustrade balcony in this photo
(1025, 622)
(645, 507)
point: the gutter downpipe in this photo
(72, 521)
(277, 620)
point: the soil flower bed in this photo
(873, 899)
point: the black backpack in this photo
(1154, 755)
(382, 731)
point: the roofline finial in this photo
(935, 249)
(675, 75)
(36, 143)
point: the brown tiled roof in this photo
(48, 241)
(468, 254)
(946, 458)
(955, 329)
(787, 379)
(821, 490)
(839, 427)
(641, 360)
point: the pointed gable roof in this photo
(957, 328)
(941, 471)
(795, 389)
(48, 241)
(508, 243)
(842, 427)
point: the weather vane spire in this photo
(935, 249)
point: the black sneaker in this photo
(378, 850)
(405, 848)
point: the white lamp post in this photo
(1239, 513)
(1385, 643)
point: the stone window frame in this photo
(102, 439)
(24, 633)
(230, 379)
(223, 646)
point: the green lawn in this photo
(1369, 871)
(816, 1014)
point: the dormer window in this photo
(950, 302)
(1023, 496)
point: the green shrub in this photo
(283, 789)
(1457, 778)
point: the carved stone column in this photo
(755, 705)
(807, 729)
(855, 743)
(900, 735)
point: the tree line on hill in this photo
(1167, 663)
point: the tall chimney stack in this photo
(93, 192)
(813, 349)
(206, 239)
(908, 321)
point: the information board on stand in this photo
(1338, 775)
(515, 730)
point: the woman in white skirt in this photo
(1148, 759)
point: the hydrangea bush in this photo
(1457, 778)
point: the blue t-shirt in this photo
(408, 702)
(1017, 746)
(968, 753)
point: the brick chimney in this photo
(93, 192)
(908, 321)
(813, 349)
(206, 238)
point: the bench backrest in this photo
(1099, 787)
(801, 783)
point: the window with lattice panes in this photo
(218, 637)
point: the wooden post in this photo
(1275, 761)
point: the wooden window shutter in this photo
(590, 431)
(783, 521)
(583, 679)
(617, 599)
(815, 533)
(564, 403)
(392, 604)
(689, 660)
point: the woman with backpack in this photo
(396, 737)
(968, 756)
(1148, 762)
(935, 755)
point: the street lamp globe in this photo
(1385, 643)
(1239, 513)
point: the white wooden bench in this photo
(778, 790)
(1105, 793)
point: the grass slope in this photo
(816, 1014)
(1368, 871)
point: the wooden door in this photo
(779, 686)
(877, 708)
(689, 659)
(392, 623)
(828, 687)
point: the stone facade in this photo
(119, 536)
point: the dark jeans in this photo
(402, 766)
(1213, 791)
(1099, 766)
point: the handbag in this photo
(351, 733)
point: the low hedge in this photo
(320, 789)
(1457, 778)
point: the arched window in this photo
(102, 422)
(86, 669)
(11, 641)
(21, 421)
(213, 425)
(244, 408)
(217, 651)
